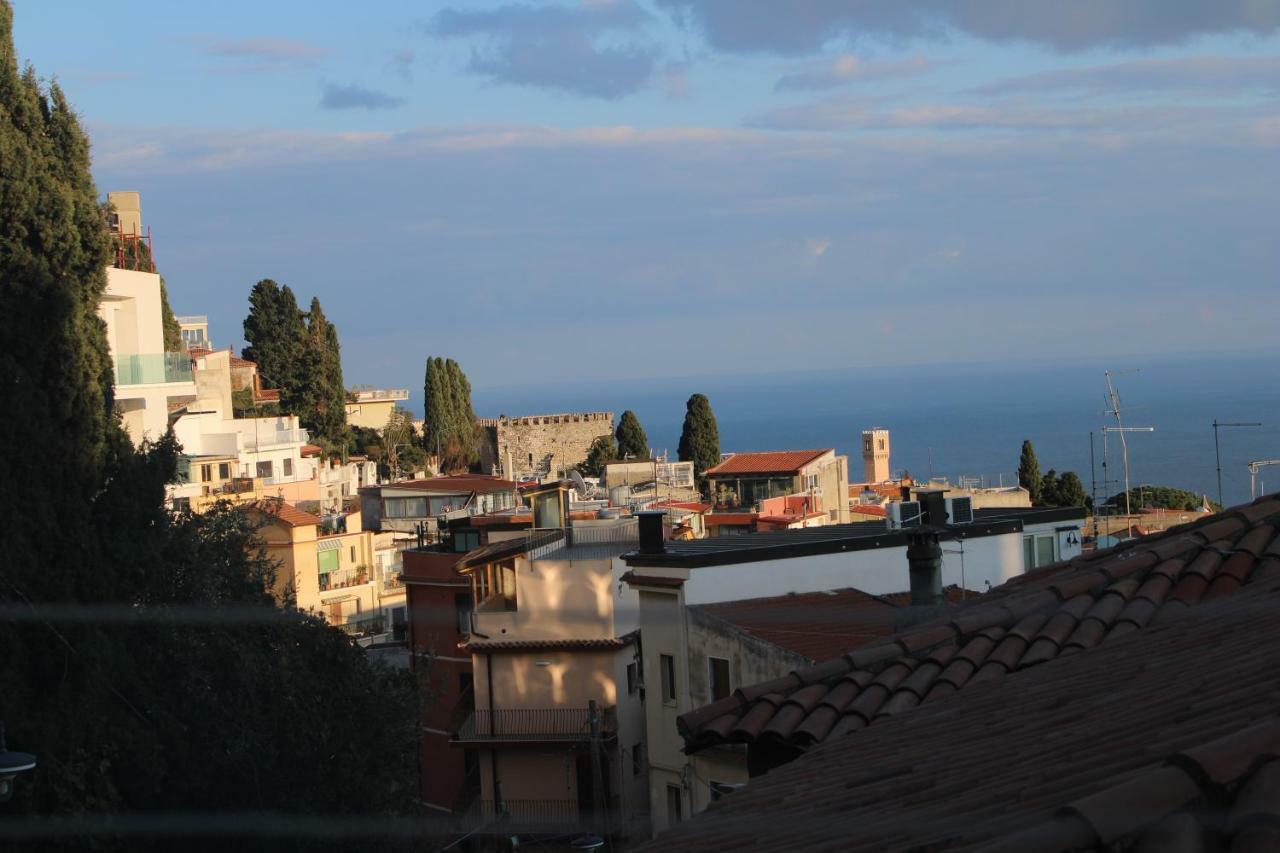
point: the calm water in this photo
(971, 419)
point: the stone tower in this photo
(875, 454)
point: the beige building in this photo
(126, 212)
(195, 332)
(330, 567)
(875, 455)
(372, 407)
(150, 383)
(744, 482)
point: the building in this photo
(643, 481)
(875, 455)
(539, 446)
(404, 506)
(150, 383)
(328, 566)
(195, 332)
(812, 485)
(126, 212)
(371, 408)
(1122, 700)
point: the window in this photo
(633, 678)
(673, 804)
(465, 540)
(718, 678)
(206, 473)
(668, 666)
(224, 470)
(462, 611)
(406, 508)
(264, 469)
(288, 467)
(882, 444)
(637, 759)
(181, 504)
(1039, 550)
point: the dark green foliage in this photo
(172, 331)
(1161, 497)
(145, 661)
(325, 412)
(1029, 472)
(277, 339)
(243, 405)
(603, 451)
(1071, 490)
(450, 423)
(1049, 488)
(700, 437)
(632, 442)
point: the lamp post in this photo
(11, 764)
(1217, 452)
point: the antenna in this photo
(1113, 400)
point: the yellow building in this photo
(372, 407)
(329, 567)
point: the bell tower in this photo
(875, 454)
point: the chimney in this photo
(651, 538)
(933, 507)
(924, 563)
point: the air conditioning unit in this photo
(902, 514)
(960, 510)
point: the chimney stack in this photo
(651, 537)
(924, 563)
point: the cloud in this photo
(1198, 74)
(402, 63)
(804, 26)
(252, 55)
(846, 69)
(355, 97)
(589, 50)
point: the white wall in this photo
(879, 571)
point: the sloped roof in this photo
(768, 462)
(1160, 739)
(287, 513)
(1057, 611)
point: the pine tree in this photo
(1029, 472)
(632, 442)
(1049, 489)
(700, 437)
(324, 412)
(1071, 490)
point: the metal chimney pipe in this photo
(651, 539)
(924, 563)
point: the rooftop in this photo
(452, 484)
(1068, 610)
(287, 513)
(768, 462)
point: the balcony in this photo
(530, 816)
(342, 579)
(153, 368)
(542, 725)
(363, 625)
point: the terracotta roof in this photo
(311, 450)
(867, 509)
(286, 513)
(692, 506)
(769, 462)
(1165, 739)
(818, 625)
(602, 643)
(739, 518)
(454, 484)
(1060, 610)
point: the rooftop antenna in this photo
(1113, 401)
(1254, 467)
(1217, 452)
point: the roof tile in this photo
(767, 462)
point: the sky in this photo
(612, 189)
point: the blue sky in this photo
(595, 189)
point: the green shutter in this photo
(328, 561)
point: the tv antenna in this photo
(1113, 402)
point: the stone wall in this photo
(539, 444)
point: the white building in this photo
(150, 383)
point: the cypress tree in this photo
(277, 335)
(631, 438)
(700, 437)
(450, 422)
(324, 412)
(1029, 473)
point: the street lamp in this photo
(1217, 453)
(11, 764)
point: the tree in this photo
(632, 442)
(206, 697)
(137, 256)
(700, 437)
(277, 336)
(1049, 488)
(1029, 472)
(450, 426)
(325, 411)
(1071, 490)
(602, 451)
(400, 446)
(1162, 497)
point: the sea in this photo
(969, 420)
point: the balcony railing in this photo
(541, 724)
(372, 623)
(532, 816)
(153, 368)
(341, 579)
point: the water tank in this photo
(620, 495)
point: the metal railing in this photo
(531, 816)
(153, 368)
(372, 623)
(341, 579)
(551, 724)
